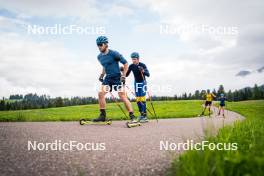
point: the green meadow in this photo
(164, 109)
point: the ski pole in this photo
(152, 106)
(140, 101)
(117, 103)
(150, 99)
(203, 108)
(226, 109)
(213, 108)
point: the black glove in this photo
(123, 79)
(121, 68)
(101, 78)
(141, 69)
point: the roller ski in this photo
(133, 122)
(101, 120)
(91, 122)
(202, 114)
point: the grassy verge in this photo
(164, 109)
(247, 160)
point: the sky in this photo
(186, 45)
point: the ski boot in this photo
(101, 120)
(133, 121)
(143, 118)
(202, 114)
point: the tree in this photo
(256, 92)
(16, 97)
(190, 96)
(58, 102)
(230, 96)
(197, 95)
(248, 93)
(2, 105)
(220, 90)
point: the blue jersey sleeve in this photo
(98, 58)
(146, 72)
(118, 57)
(128, 71)
(122, 59)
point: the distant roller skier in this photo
(222, 100)
(208, 102)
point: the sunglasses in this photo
(99, 45)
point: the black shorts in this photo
(208, 103)
(222, 105)
(113, 83)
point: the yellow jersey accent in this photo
(209, 96)
(142, 99)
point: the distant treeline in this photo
(34, 101)
(248, 93)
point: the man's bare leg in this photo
(101, 96)
(223, 109)
(205, 107)
(123, 97)
(102, 103)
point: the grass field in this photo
(247, 160)
(164, 109)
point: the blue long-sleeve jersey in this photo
(136, 71)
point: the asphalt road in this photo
(134, 151)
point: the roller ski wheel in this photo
(82, 121)
(133, 124)
(90, 122)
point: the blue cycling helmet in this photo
(101, 40)
(222, 94)
(135, 55)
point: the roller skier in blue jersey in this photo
(139, 70)
(111, 77)
(222, 100)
